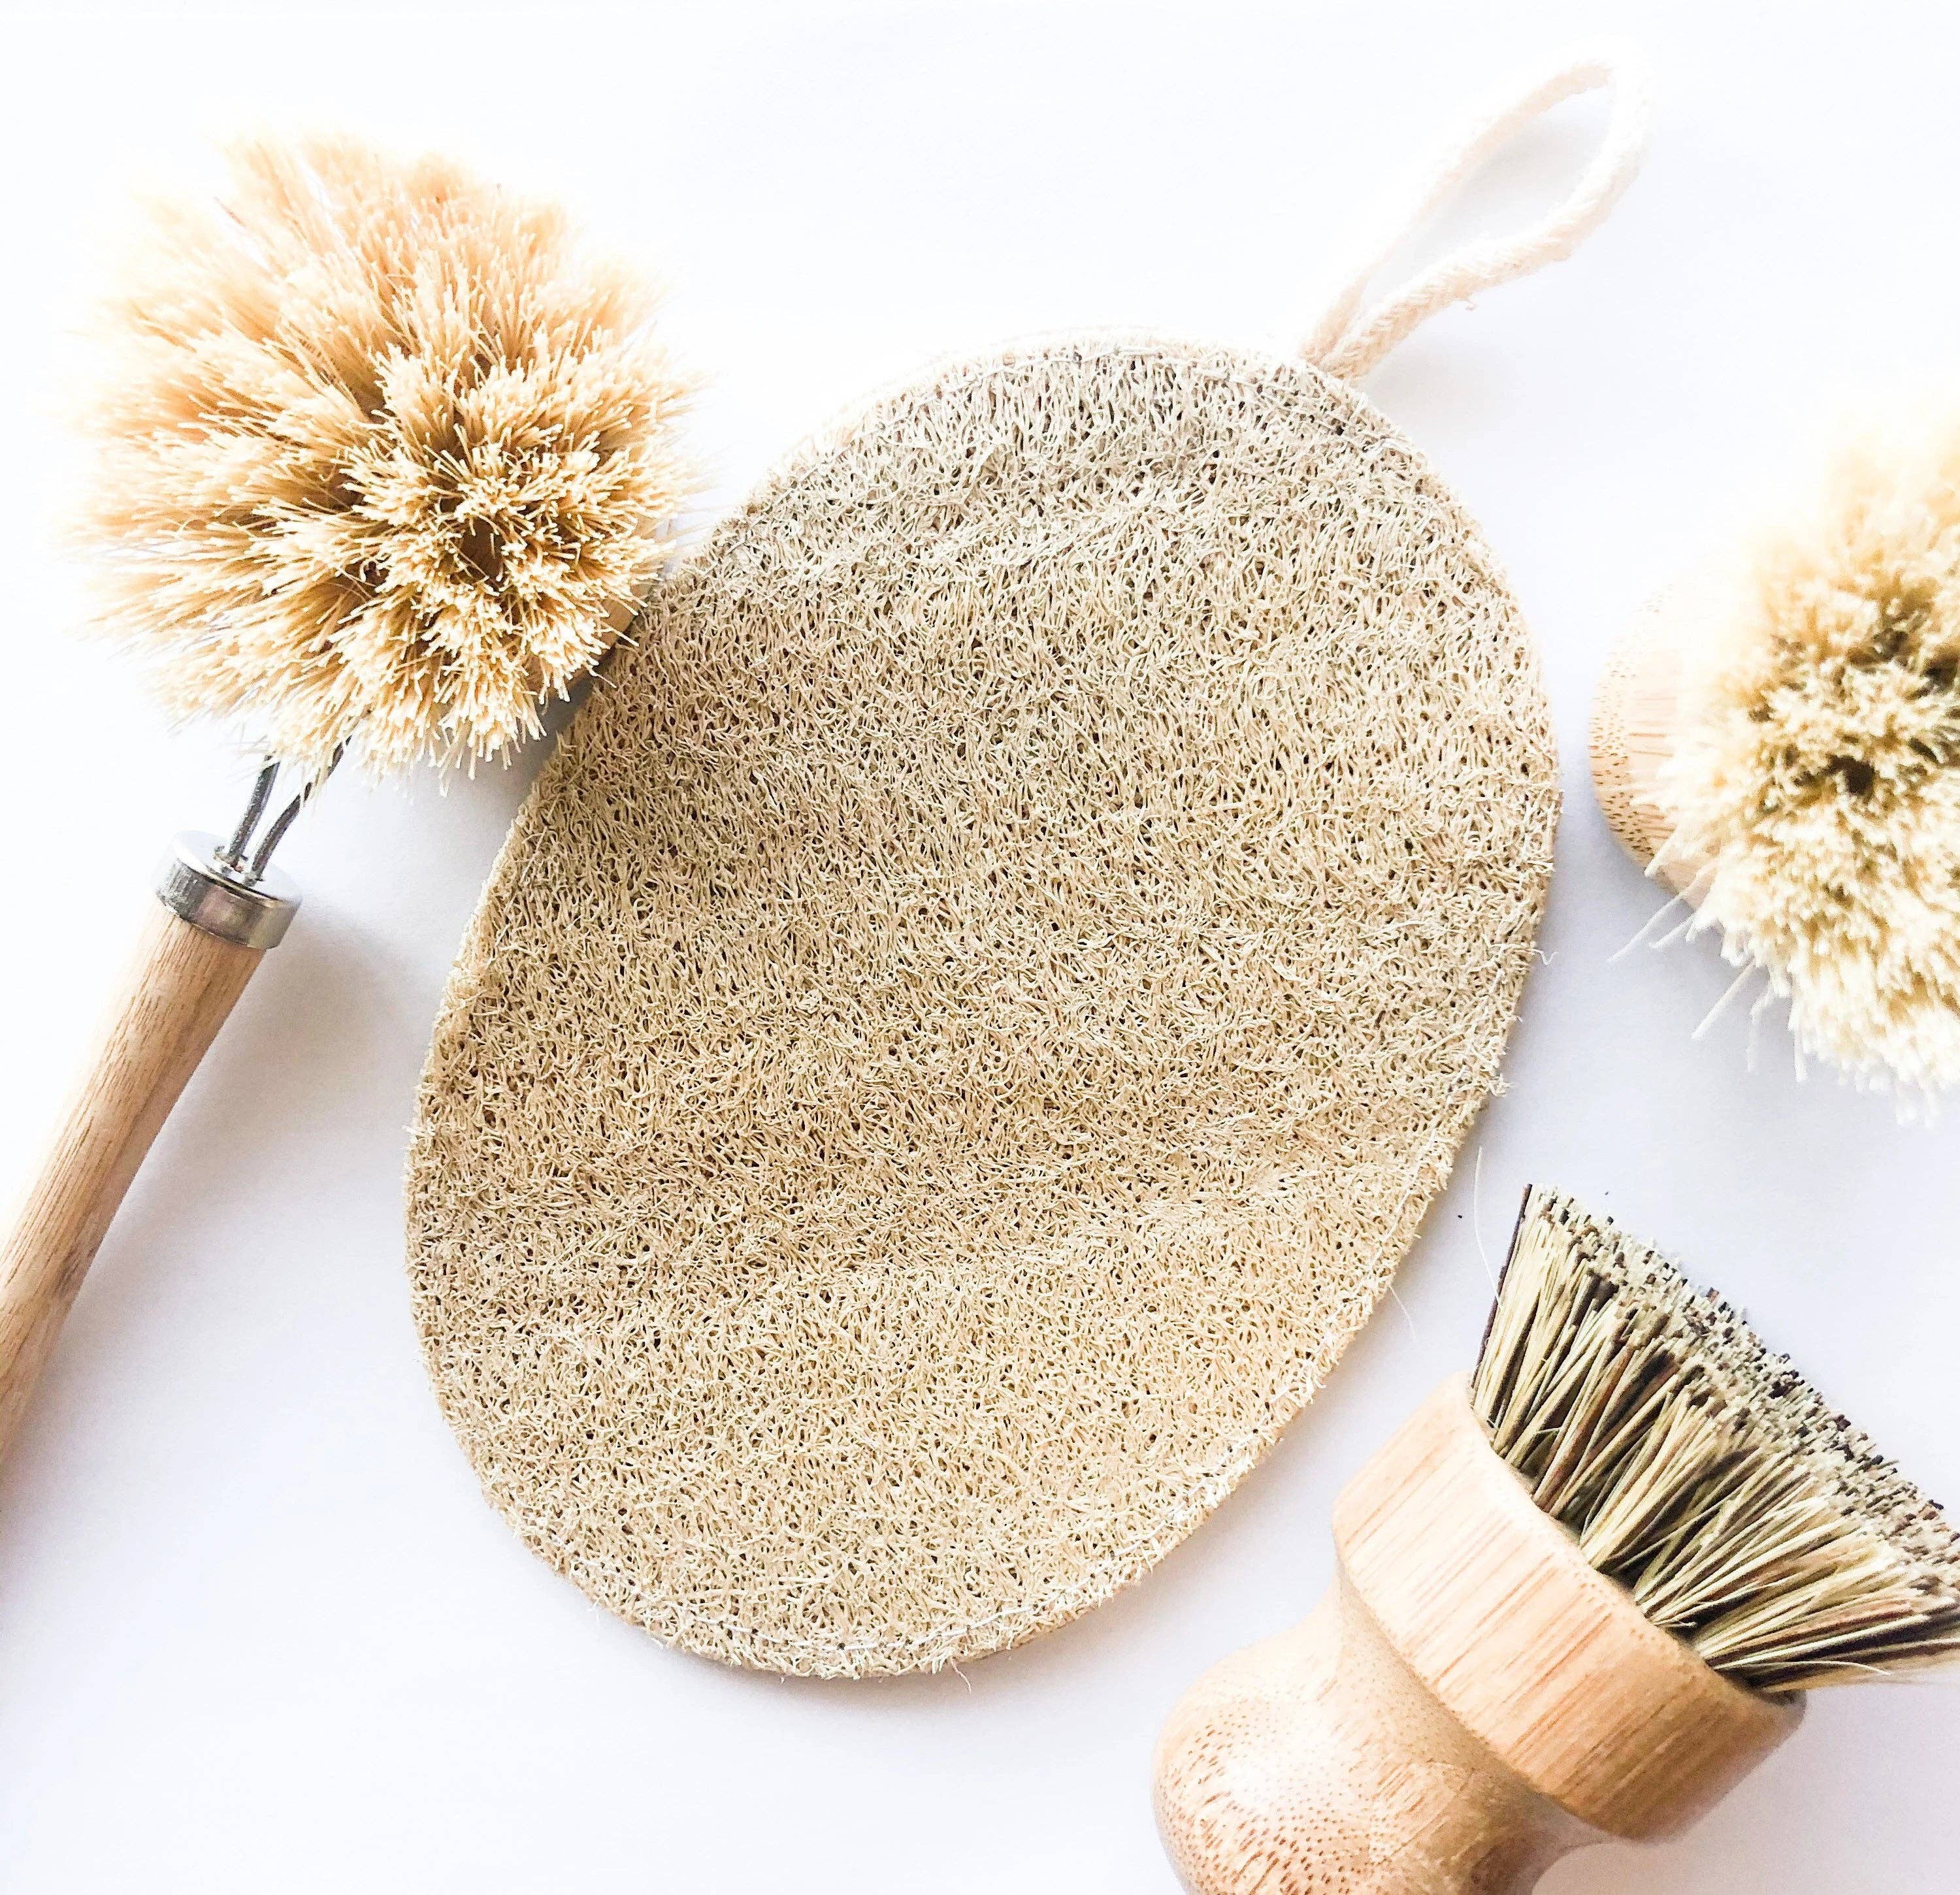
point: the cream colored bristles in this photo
(1815, 771)
(386, 458)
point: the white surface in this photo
(257, 1630)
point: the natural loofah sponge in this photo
(386, 461)
(974, 1010)
(1812, 786)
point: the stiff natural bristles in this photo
(1814, 785)
(1704, 1473)
(386, 458)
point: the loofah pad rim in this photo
(733, 1636)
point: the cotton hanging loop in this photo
(973, 1013)
(1350, 342)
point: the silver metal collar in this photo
(211, 893)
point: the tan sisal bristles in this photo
(1703, 1472)
(386, 458)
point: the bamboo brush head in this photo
(1703, 1472)
(386, 458)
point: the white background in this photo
(257, 1630)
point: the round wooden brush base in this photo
(1635, 714)
(1469, 1702)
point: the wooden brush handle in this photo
(184, 980)
(1470, 1701)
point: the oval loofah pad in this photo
(969, 1019)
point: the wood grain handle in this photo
(1470, 1701)
(180, 986)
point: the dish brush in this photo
(1579, 1595)
(386, 461)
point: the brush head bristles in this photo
(1704, 1473)
(386, 458)
(1816, 775)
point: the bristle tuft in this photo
(1816, 773)
(1703, 1472)
(386, 459)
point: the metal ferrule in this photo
(223, 898)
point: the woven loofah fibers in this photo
(970, 1018)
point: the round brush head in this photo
(386, 458)
(1782, 735)
(1702, 1471)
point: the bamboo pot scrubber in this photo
(1470, 1701)
(1576, 1597)
(973, 1014)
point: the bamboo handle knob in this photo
(184, 980)
(1470, 1702)
(1317, 1764)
